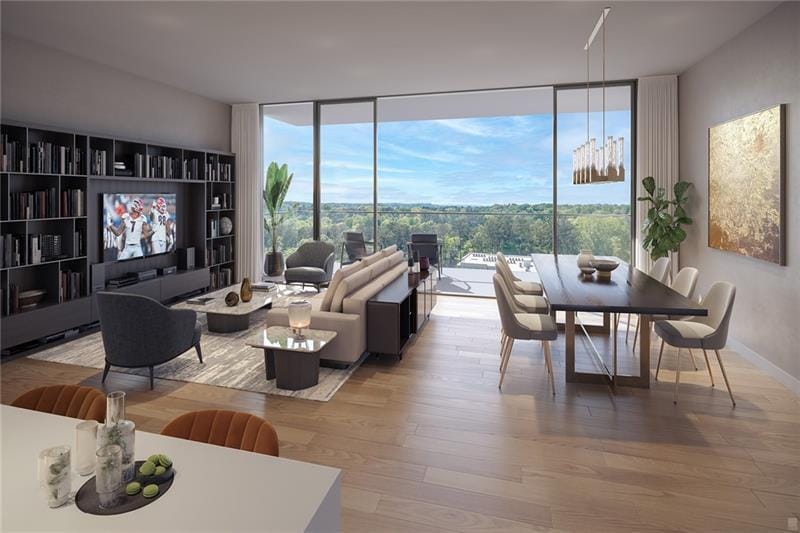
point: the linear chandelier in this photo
(603, 163)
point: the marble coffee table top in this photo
(218, 306)
(282, 338)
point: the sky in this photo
(469, 161)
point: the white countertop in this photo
(215, 488)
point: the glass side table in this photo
(291, 360)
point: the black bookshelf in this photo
(51, 181)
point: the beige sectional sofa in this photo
(342, 307)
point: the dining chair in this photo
(522, 326)
(231, 429)
(684, 284)
(73, 401)
(660, 272)
(517, 285)
(704, 332)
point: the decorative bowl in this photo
(587, 272)
(604, 267)
(31, 298)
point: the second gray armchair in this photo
(311, 264)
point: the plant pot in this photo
(274, 263)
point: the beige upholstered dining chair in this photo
(704, 332)
(517, 285)
(522, 326)
(659, 272)
(684, 284)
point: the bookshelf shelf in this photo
(50, 180)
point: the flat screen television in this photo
(138, 225)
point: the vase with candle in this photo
(299, 317)
(57, 481)
(108, 476)
(119, 431)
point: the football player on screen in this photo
(162, 226)
(135, 228)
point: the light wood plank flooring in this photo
(430, 444)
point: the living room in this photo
(292, 252)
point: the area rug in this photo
(227, 360)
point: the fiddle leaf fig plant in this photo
(663, 226)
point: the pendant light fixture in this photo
(602, 162)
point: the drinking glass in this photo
(117, 430)
(108, 475)
(85, 447)
(57, 481)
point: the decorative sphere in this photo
(231, 299)
(225, 225)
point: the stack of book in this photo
(49, 158)
(121, 170)
(213, 228)
(44, 247)
(218, 254)
(11, 250)
(72, 203)
(79, 243)
(99, 163)
(211, 171)
(13, 155)
(220, 279)
(71, 285)
(191, 169)
(225, 172)
(163, 166)
(36, 204)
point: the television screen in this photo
(138, 225)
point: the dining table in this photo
(215, 488)
(628, 291)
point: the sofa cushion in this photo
(372, 259)
(348, 285)
(389, 250)
(338, 276)
(356, 301)
(305, 274)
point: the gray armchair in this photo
(140, 332)
(311, 264)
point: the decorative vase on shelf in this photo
(585, 258)
(119, 431)
(246, 292)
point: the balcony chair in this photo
(241, 431)
(427, 245)
(516, 285)
(704, 332)
(140, 332)
(355, 246)
(311, 264)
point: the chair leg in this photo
(199, 352)
(504, 364)
(725, 377)
(708, 366)
(635, 335)
(692, 356)
(627, 327)
(660, 352)
(549, 360)
(503, 341)
(677, 377)
(151, 378)
(105, 371)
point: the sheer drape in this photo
(246, 144)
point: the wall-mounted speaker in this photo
(186, 258)
(98, 277)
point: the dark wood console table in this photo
(398, 312)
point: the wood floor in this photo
(430, 444)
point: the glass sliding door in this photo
(288, 138)
(596, 215)
(474, 168)
(347, 170)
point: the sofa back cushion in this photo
(359, 279)
(372, 258)
(356, 302)
(338, 276)
(389, 250)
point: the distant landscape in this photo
(509, 228)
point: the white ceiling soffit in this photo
(293, 51)
(507, 102)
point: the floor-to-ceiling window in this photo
(594, 216)
(288, 138)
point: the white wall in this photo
(44, 86)
(757, 69)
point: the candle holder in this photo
(56, 478)
(108, 476)
(85, 447)
(117, 430)
(299, 317)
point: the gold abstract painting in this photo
(745, 185)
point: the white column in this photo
(246, 144)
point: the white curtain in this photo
(656, 148)
(246, 144)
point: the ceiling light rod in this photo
(600, 21)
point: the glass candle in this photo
(108, 475)
(120, 431)
(57, 481)
(299, 316)
(85, 446)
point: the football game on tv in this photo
(138, 225)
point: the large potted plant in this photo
(662, 227)
(275, 188)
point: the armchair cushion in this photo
(305, 274)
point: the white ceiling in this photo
(289, 51)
